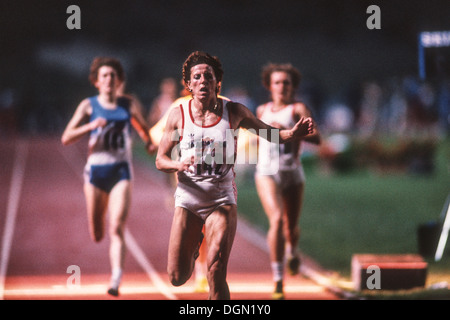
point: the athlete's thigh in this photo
(185, 235)
(96, 205)
(292, 203)
(269, 195)
(119, 201)
(220, 228)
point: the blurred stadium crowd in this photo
(362, 85)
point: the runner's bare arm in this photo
(75, 129)
(140, 125)
(242, 117)
(302, 110)
(167, 156)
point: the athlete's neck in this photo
(203, 107)
(107, 100)
(205, 116)
(278, 104)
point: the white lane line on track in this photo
(98, 289)
(141, 258)
(132, 245)
(17, 176)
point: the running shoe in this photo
(113, 291)
(114, 283)
(293, 265)
(278, 294)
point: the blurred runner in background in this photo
(107, 118)
(279, 174)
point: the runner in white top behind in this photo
(279, 174)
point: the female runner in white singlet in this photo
(108, 118)
(279, 173)
(199, 144)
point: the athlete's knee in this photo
(177, 278)
(292, 230)
(178, 272)
(97, 235)
(276, 221)
(116, 230)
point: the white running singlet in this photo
(209, 183)
(275, 158)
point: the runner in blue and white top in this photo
(108, 118)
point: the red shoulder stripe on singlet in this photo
(192, 117)
(182, 122)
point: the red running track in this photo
(43, 229)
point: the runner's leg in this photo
(220, 232)
(119, 204)
(96, 204)
(271, 201)
(185, 236)
(270, 198)
(292, 199)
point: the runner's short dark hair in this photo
(99, 62)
